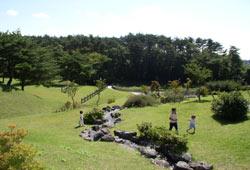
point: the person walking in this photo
(173, 120)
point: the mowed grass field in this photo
(226, 146)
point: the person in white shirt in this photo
(192, 123)
(173, 120)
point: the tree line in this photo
(131, 59)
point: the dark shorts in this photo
(171, 125)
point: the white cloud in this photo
(12, 12)
(40, 15)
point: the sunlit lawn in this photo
(226, 146)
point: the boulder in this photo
(116, 107)
(119, 140)
(108, 125)
(131, 144)
(107, 138)
(97, 135)
(187, 157)
(161, 162)
(148, 152)
(105, 130)
(200, 166)
(125, 134)
(115, 114)
(117, 120)
(95, 127)
(106, 109)
(98, 121)
(181, 165)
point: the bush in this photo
(223, 86)
(92, 116)
(140, 101)
(230, 106)
(13, 153)
(162, 137)
(171, 96)
(111, 101)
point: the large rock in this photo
(115, 114)
(91, 135)
(161, 162)
(181, 165)
(95, 127)
(131, 144)
(119, 140)
(97, 135)
(187, 157)
(107, 109)
(200, 166)
(125, 134)
(105, 130)
(98, 121)
(116, 107)
(148, 152)
(107, 138)
(108, 125)
(117, 120)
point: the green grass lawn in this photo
(60, 147)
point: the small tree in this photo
(175, 86)
(100, 84)
(155, 87)
(13, 153)
(188, 85)
(198, 74)
(145, 89)
(71, 88)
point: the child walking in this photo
(192, 123)
(81, 121)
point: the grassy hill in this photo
(60, 147)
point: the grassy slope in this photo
(226, 146)
(59, 146)
(53, 134)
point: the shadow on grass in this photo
(196, 101)
(226, 122)
(6, 88)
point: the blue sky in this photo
(225, 21)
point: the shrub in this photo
(223, 86)
(13, 153)
(140, 101)
(111, 101)
(155, 86)
(201, 91)
(230, 106)
(145, 89)
(162, 137)
(171, 96)
(92, 116)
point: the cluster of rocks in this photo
(158, 156)
(100, 131)
(96, 133)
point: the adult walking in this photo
(173, 120)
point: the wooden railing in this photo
(88, 97)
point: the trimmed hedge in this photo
(223, 86)
(140, 101)
(230, 106)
